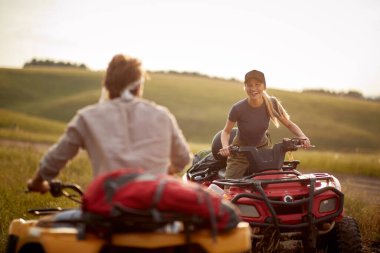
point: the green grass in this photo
(22, 127)
(361, 164)
(200, 104)
(37, 103)
(19, 163)
(22, 86)
(367, 215)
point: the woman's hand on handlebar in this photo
(305, 142)
(225, 151)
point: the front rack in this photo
(258, 186)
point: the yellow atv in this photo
(58, 230)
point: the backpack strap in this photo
(156, 199)
(205, 196)
(212, 216)
(111, 185)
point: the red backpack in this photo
(132, 199)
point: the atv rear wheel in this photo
(344, 238)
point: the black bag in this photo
(205, 168)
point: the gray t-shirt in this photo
(252, 123)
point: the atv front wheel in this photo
(344, 238)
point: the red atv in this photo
(287, 210)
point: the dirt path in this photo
(366, 188)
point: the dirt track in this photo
(366, 188)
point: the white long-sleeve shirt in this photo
(120, 134)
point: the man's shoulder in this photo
(150, 105)
(108, 106)
(89, 109)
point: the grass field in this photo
(200, 104)
(19, 163)
(35, 105)
(22, 127)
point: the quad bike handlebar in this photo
(269, 158)
(58, 189)
(208, 169)
(287, 145)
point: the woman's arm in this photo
(295, 129)
(225, 137)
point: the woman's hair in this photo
(122, 70)
(274, 108)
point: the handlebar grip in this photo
(55, 188)
(233, 149)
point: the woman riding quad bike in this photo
(285, 208)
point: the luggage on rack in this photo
(133, 198)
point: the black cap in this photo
(255, 74)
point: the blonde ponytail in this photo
(274, 114)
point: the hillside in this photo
(19, 126)
(200, 104)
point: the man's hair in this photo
(122, 70)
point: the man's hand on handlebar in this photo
(173, 170)
(38, 184)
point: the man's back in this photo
(135, 134)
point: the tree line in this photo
(349, 94)
(50, 63)
(194, 73)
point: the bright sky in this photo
(298, 44)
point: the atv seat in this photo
(264, 159)
(259, 159)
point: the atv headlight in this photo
(327, 205)
(337, 183)
(248, 211)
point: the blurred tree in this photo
(50, 63)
